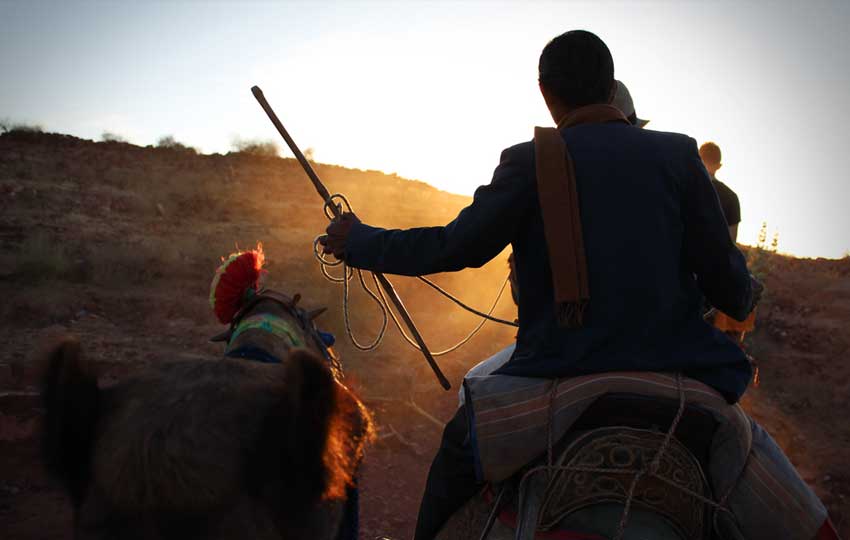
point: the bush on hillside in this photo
(169, 142)
(108, 136)
(256, 147)
(760, 258)
(7, 126)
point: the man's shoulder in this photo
(669, 137)
(720, 187)
(521, 152)
(630, 138)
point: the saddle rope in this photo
(383, 303)
(650, 469)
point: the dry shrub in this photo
(256, 147)
(761, 257)
(108, 136)
(17, 128)
(170, 143)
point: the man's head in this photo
(710, 155)
(575, 69)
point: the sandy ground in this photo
(131, 237)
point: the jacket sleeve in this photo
(479, 233)
(719, 266)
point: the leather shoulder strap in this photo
(556, 190)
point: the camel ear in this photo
(70, 396)
(289, 464)
(313, 314)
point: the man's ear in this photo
(612, 92)
(556, 109)
(547, 96)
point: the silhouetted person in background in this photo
(711, 158)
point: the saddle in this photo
(620, 434)
(603, 429)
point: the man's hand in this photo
(335, 240)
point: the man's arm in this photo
(479, 233)
(733, 232)
(734, 217)
(720, 267)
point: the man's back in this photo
(728, 202)
(650, 221)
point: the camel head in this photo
(225, 448)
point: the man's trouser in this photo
(451, 480)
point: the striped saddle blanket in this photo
(509, 419)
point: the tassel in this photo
(571, 314)
(235, 282)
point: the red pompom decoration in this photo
(235, 280)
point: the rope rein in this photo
(381, 300)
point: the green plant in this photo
(41, 258)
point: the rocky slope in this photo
(117, 244)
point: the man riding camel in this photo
(623, 101)
(652, 240)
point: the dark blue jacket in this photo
(654, 236)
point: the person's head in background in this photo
(710, 155)
(623, 101)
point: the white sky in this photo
(435, 90)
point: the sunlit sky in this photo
(435, 90)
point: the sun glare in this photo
(435, 91)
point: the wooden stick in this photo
(325, 195)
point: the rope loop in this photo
(340, 203)
(320, 256)
(342, 206)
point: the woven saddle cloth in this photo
(509, 418)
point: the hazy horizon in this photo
(434, 91)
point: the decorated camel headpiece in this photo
(236, 281)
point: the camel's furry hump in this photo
(190, 436)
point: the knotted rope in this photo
(381, 300)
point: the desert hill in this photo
(92, 222)
(118, 243)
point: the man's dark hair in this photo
(577, 68)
